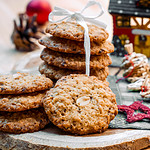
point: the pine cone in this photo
(25, 34)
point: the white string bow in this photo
(80, 19)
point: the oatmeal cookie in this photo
(23, 83)
(56, 73)
(76, 47)
(74, 31)
(14, 103)
(24, 121)
(74, 61)
(80, 104)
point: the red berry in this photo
(40, 7)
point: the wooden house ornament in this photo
(131, 21)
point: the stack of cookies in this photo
(65, 54)
(21, 102)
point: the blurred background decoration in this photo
(26, 32)
(31, 25)
(131, 22)
(41, 8)
(10, 10)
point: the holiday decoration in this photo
(134, 64)
(119, 48)
(40, 7)
(136, 86)
(131, 20)
(145, 88)
(137, 105)
(26, 33)
(143, 3)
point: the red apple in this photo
(40, 7)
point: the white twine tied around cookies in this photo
(80, 19)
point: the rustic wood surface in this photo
(52, 137)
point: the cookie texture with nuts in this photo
(76, 47)
(23, 83)
(74, 61)
(56, 73)
(80, 104)
(74, 31)
(15, 103)
(24, 121)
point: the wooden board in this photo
(54, 138)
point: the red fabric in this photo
(129, 110)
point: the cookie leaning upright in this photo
(80, 104)
(23, 83)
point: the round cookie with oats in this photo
(56, 73)
(74, 31)
(74, 61)
(21, 102)
(23, 83)
(21, 122)
(80, 104)
(75, 47)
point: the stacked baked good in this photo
(78, 103)
(21, 102)
(65, 54)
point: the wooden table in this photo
(9, 56)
